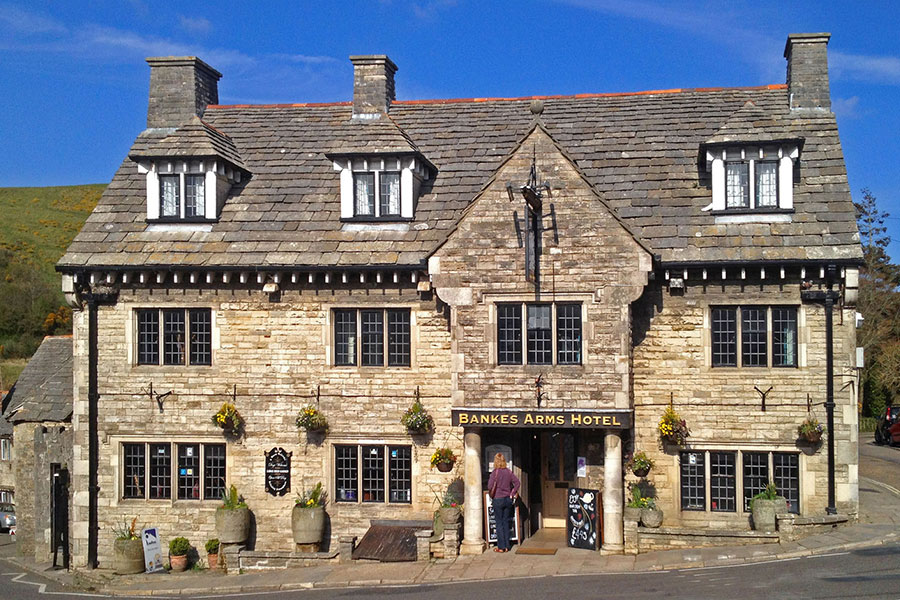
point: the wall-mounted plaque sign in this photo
(555, 419)
(278, 471)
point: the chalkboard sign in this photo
(490, 522)
(583, 519)
(278, 471)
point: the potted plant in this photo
(811, 430)
(672, 428)
(443, 459)
(416, 419)
(212, 553)
(308, 516)
(178, 554)
(764, 506)
(232, 518)
(635, 504)
(228, 418)
(651, 515)
(312, 419)
(640, 464)
(128, 551)
(450, 507)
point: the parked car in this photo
(7, 517)
(887, 430)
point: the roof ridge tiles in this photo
(772, 86)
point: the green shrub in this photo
(231, 499)
(212, 546)
(179, 547)
(867, 424)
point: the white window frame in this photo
(5, 449)
(218, 178)
(717, 158)
(412, 172)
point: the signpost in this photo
(153, 558)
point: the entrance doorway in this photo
(558, 470)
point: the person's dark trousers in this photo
(503, 512)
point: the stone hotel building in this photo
(546, 275)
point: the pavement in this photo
(879, 523)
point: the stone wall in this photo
(278, 354)
(672, 359)
(23, 464)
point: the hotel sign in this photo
(517, 417)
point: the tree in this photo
(879, 303)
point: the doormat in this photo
(541, 551)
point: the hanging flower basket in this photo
(228, 418)
(640, 464)
(672, 428)
(417, 420)
(811, 430)
(443, 459)
(312, 419)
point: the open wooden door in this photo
(557, 475)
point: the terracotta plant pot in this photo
(651, 517)
(213, 561)
(232, 525)
(178, 563)
(450, 514)
(308, 524)
(445, 467)
(128, 557)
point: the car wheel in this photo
(879, 437)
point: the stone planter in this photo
(213, 561)
(128, 557)
(232, 525)
(651, 517)
(764, 511)
(178, 563)
(450, 514)
(308, 524)
(632, 513)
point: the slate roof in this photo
(196, 139)
(641, 152)
(43, 391)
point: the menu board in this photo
(583, 519)
(490, 522)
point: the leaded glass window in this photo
(148, 337)
(194, 195)
(784, 336)
(373, 473)
(756, 475)
(724, 337)
(766, 184)
(344, 337)
(509, 334)
(390, 194)
(160, 471)
(398, 338)
(173, 337)
(372, 324)
(753, 336)
(568, 334)
(722, 484)
(786, 477)
(188, 471)
(540, 335)
(169, 196)
(135, 465)
(737, 185)
(400, 474)
(693, 481)
(345, 473)
(364, 194)
(213, 471)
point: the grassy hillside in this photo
(38, 223)
(36, 226)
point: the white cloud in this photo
(198, 25)
(860, 67)
(305, 59)
(29, 22)
(846, 108)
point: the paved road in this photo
(881, 463)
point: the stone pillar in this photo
(473, 517)
(613, 498)
(346, 545)
(423, 544)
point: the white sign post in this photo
(153, 560)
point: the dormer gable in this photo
(189, 173)
(751, 161)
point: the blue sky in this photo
(74, 91)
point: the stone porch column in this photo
(473, 517)
(613, 498)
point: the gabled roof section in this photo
(43, 391)
(750, 124)
(195, 139)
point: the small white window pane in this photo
(364, 194)
(766, 184)
(390, 194)
(737, 185)
(195, 196)
(169, 196)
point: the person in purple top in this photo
(503, 487)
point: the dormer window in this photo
(380, 188)
(187, 191)
(752, 179)
(170, 196)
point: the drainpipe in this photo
(829, 296)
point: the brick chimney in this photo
(373, 85)
(180, 87)
(807, 71)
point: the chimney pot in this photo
(807, 71)
(181, 87)
(373, 85)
